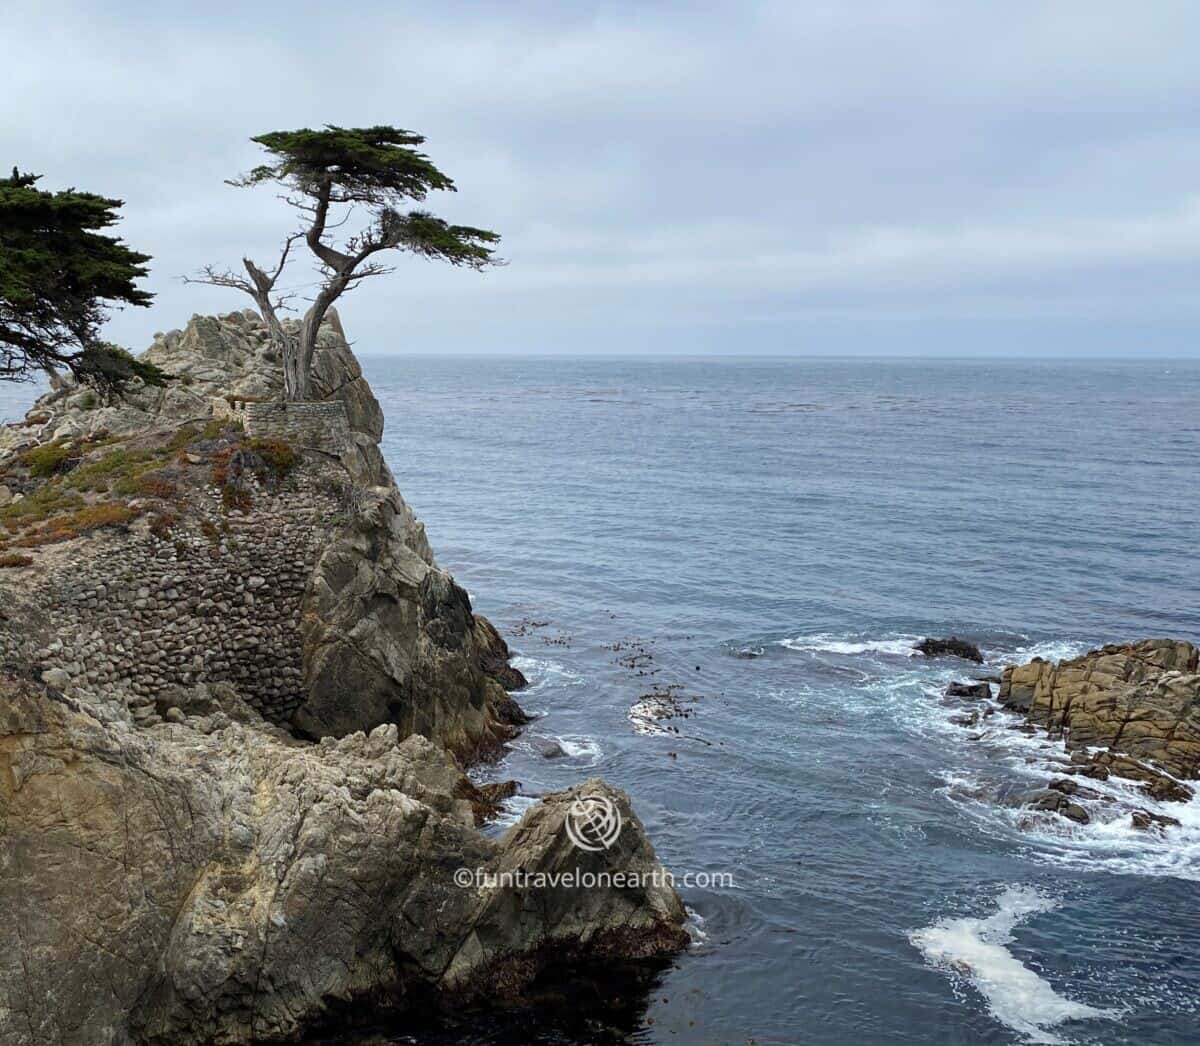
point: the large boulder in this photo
(212, 881)
(969, 691)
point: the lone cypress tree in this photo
(59, 275)
(328, 176)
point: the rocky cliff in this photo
(236, 694)
(167, 546)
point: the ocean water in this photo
(763, 540)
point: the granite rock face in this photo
(211, 880)
(1138, 703)
(494, 656)
(388, 638)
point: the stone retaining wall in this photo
(220, 602)
(319, 426)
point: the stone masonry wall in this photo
(319, 426)
(215, 602)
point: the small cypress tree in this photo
(329, 176)
(59, 276)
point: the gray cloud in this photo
(872, 177)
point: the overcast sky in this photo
(951, 177)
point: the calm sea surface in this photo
(764, 540)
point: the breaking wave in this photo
(974, 949)
(825, 643)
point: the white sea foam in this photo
(974, 948)
(903, 645)
(694, 928)
(1047, 650)
(646, 717)
(1109, 842)
(543, 672)
(513, 809)
(990, 758)
(826, 643)
(585, 749)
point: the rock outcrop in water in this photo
(195, 586)
(1129, 710)
(952, 647)
(976, 691)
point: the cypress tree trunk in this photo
(295, 375)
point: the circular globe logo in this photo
(593, 822)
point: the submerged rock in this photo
(1075, 789)
(951, 647)
(547, 747)
(970, 691)
(1145, 820)
(1101, 765)
(1053, 801)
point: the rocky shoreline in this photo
(237, 697)
(1129, 711)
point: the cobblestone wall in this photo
(218, 599)
(320, 426)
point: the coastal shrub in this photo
(118, 464)
(41, 504)
(150, 484)
(279, 457)
(220, 468)
(268, 460)
(109, 366)
(195, 432)
(103, 438)
(14, 559)
(235, 497)
(82, 521)
(182, 437)
(48, 460)
(191, 433)
(162, 523)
